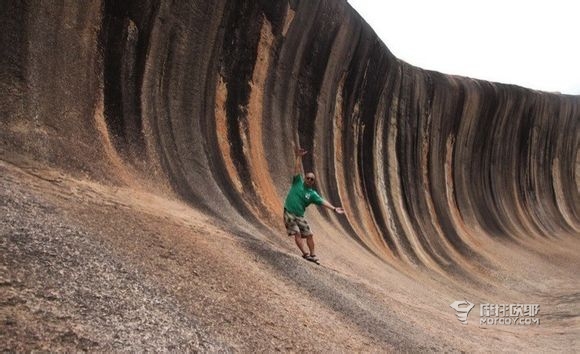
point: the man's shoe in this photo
(313, 258)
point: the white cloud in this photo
(534, 44)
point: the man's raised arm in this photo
(298, 163)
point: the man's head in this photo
(310, 179)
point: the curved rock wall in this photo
(208, 100)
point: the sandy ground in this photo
(87, 266)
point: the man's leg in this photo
(300, 243)
(310, 242)
(293, 229)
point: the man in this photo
(302, 194)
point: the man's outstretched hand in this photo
(339, 210)
(301, 152)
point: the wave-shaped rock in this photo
(207, 100)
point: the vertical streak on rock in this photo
(109, 147)
(313, 63)
(447, 104)
(388, 229)
(407, 194)
(430, 146)
(461, 172)
(285, 88)
(426, 159)
(566, 167)
(343, 173)
(277, 136)
(288, 19)
(361, 89)
(396, 222)
(387, 168)
(14, 44)
(364, 229)
(260, 173)
(222, 134)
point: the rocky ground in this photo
(87, 266)
(64, 288)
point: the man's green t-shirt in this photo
(300, 196)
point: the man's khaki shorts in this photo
(296, 225)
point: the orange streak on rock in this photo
(261, 180)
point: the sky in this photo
(534, 44)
